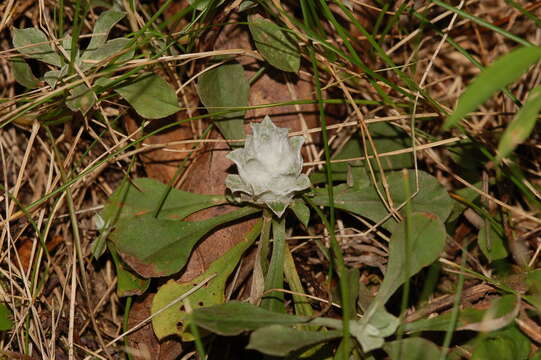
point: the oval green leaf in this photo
(34, 44)
(151, 96)
(225, 88)
(501, 73)
(275, 45)
(280, 340)
(423, 248)
(103, 26)
(23, 73)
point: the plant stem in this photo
(274, 279)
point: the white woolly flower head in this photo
(269, 167)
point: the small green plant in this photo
(269, 173)
(151, 96)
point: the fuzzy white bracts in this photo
(269, 167)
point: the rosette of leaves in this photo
(151, 96)
(269, 167)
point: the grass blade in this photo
(501, 73)
(522, 125)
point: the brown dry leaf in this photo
(207, 175)
(24, 249)
(143, 344)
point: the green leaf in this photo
(501, 313)
(224, 88)
(103, 26)
(274, 279)
(81, 99)
(110, 48)
(23, 73)
(280, 340)
(536, 355)
(506, 344)
(386, 138)
(52, 77)
(6, 318)
(143, 195)
(302, 212)
(236, 317)
(166, 322)
(275, 45)
(501, 73)
(203, 4)
(301, 303)
(522, 125)
(491, 242)
(371, 330)
(151, 96)
(34, 44)
(415, 348)
(423, 249)
(362, 199)
(441, 322)
(128, 283)
(155, 247)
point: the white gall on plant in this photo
(269, 167)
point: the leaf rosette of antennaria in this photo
(269, 167)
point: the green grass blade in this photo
(522, 125)
(501, 73)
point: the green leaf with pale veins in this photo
(34, 44)
(495, 77)
(522, 125)
(225, 88)
(491, 242)
(52, 77)
(372, 329)
(275, 45)
(151, 96)
(156, 247)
